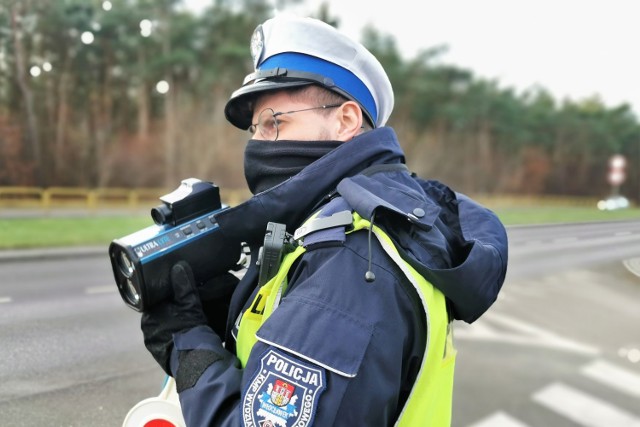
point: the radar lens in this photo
(132, 293)
(126, 266)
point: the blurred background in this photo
(129, 93)
(531, 107)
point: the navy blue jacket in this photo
(340, 351)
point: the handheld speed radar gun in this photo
(185, 230)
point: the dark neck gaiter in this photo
(268, 163)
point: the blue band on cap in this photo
(342, 78)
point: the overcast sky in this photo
(573, 48)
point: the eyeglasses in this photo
(268, 121)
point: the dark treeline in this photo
(83, 103)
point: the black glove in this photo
(182, 312)
(215, 295)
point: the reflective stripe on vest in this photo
(429, 403)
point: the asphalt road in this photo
(72, 353)
(561, 346)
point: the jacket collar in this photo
(292, 201)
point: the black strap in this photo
(282, 73)
(394, 167)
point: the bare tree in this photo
(21, 75)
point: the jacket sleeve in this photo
(337, 351)
(208, 378)
(478, 243)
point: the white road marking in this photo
(502, 296)
(5, 300)
(573, 242)
(582, 408)
(516, 331)
(633, 265)
(498, 419)
(107, 289)
(613, 376)
(563, 240)
(524, 291)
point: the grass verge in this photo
(99, 230)
(51, 232)
(562, 214)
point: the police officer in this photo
(355, 327)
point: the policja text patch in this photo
(283, 393)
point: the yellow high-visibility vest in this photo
(430, 401)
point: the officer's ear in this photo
(349, 120)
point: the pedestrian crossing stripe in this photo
(578, 406)
(511, 330)
(582, 408)
(499, 419)
(613, 376)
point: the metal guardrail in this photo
(92, 199)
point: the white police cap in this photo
(290, 51)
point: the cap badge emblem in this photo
(257, 45)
